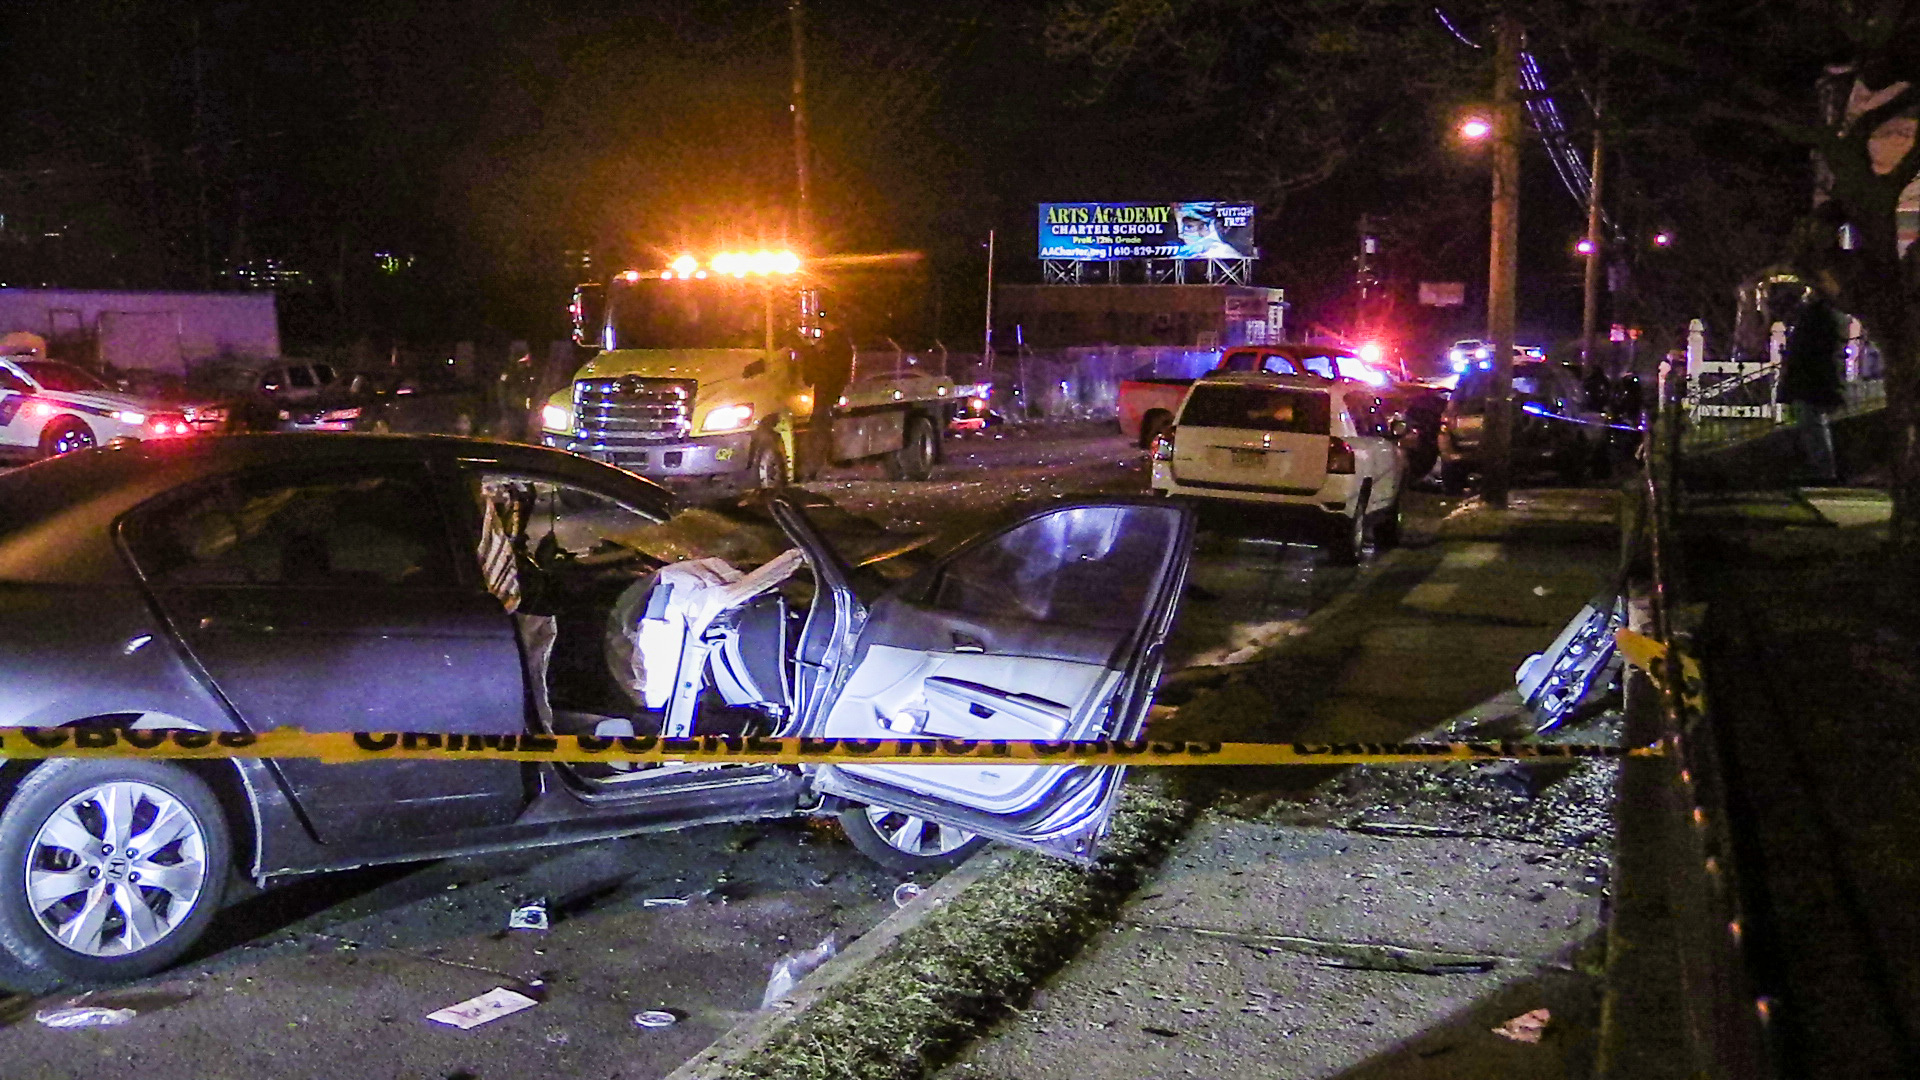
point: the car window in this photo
(324, 373)
(1325, 366)
(62, 378)
(1258, 408)
(1252, 360)
(1093, 567)
(300, 378)
(378, 529)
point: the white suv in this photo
(48, 407)
(1323, 451)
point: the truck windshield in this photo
(700, 314)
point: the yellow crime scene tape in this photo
(1648, 654)
(343, 747)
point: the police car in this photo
(48, 408)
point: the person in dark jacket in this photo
(1810, 381)
(829, 368)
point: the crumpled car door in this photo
(1053, 628)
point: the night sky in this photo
(421, 172)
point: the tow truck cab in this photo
(699, 376)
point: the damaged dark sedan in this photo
(362, 583)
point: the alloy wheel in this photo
(916, 835)
(116, 869)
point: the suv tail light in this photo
(1339, 457)
(1163, 447)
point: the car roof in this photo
(56, 515)
(1294, 351)
(1279, 382)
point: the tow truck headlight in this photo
(556, 418)
(727, 418)
(129, 417)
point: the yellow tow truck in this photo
(698, 377)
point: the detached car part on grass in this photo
(444, 585)
(1582, 661)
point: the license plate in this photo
(1249, 459)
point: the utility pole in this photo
(1503, 271)
(1590, 311)
(802, 218)
(986, 354)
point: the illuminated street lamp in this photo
(1662, 239)
(1585, 246)
(1475, 128)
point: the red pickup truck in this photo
(1148, 406)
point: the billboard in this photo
(1185, 230)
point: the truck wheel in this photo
(109, 870)
(766, 466)
(1156, 424)
(64, 436)
(919, 448)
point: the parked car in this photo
(1324, 452)
(1553, 428)
(1147, 406)
(48, 407)
(355, 582)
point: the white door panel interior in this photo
(902, 693)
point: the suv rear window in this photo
(1257, 408)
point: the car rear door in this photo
(1053, 628)
(334, 600)
(1243, 436)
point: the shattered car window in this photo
(374, 530)
(1093, 567)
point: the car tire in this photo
(766, 465)
(919, 448)
(1386, 531)
(1349, 540)
(906, 842)
(1156, 424)
(66, 435)
(66, 807)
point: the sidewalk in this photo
(1363, 922)
(1813, 669)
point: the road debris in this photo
(84, 1016)
(531, 915)
(665, 901)
(906, 893)
(655, 1018)
(791, 968)
(1526, 1028)
(492, 1005)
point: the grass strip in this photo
(972, 962)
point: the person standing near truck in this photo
(829, 368)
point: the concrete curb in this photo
(747, 1037)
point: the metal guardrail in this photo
(1729, 1017)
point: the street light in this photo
(1585, 246)
(1475, 128)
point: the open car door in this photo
(1053, 628)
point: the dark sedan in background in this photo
(364, 582)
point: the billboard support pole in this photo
(986, 352)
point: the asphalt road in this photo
(333, 976)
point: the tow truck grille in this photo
(632, 408)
